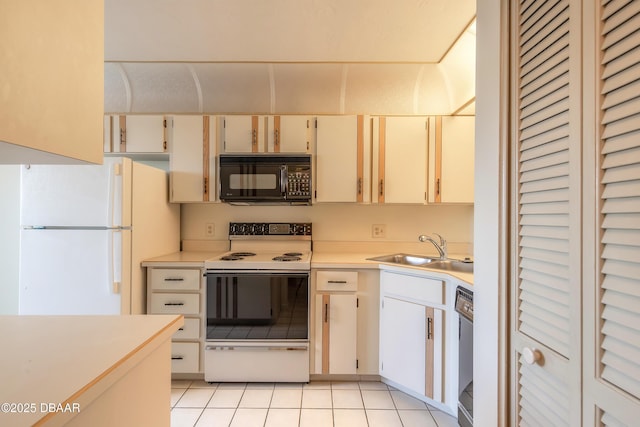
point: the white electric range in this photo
(257, 305)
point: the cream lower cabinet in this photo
(336, 322)
(336, 316)
(412, 335)
(411, 346)
(179, 291)
(345, 322)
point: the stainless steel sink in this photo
(452, 265)
(448, 264)
(405, 259)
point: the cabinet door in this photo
(142, 134)
(455, 159)
(291, 134)
(411, 346)
(402, 160)
(339, 159)
(241, 134)
(191, 165)
(336, 333)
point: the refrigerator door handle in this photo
(115, 260)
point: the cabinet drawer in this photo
(175, 303)
(413, 287)
(185, 357)
(175, 279)
(190, 330)
(337, 280)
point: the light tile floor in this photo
(317, 404)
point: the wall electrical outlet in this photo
(210, 229)
(379, 231)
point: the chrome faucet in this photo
(441, 246)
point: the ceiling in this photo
(284, 30)
(289, 56)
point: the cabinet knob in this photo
(531, 356)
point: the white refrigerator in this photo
(85, 230)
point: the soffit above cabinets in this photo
(289, 56)
(283, 30)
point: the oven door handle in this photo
(257, 347)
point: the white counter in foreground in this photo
(86, 370)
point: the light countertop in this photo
(68, 359)
(193, 259)
(320, 259)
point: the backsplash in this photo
(336, 222)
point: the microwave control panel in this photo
(299, 182)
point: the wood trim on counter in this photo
(326, 302)
(429, 350)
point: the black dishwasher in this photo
(464, 307)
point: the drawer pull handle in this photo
(177, 358)
(173, 303)
(341, 282)
(174, 279)
(181, 329)
(254, 348)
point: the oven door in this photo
(257, 305)
(248, 181)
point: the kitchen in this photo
(489, 215)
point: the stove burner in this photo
(230, 258)
(242, 254)
(293, 254)
(286, 258)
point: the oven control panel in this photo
(252, 229)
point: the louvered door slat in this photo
(530, 13)
(622, 142)
(619, 25)
(538, 279)
(556, 146)
(543, 398)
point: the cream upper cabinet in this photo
(339, 159)
(192, 160)
(136, 134)
(400, 164)
(52, 82)
(242, 134)
(289, 134)
(451, 159)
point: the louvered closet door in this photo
(545, 242)
(613, 393)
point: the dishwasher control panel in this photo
(464, 302)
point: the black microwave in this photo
(265, 179)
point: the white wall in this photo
(9, 237)
(488, 166)
(338, 222)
